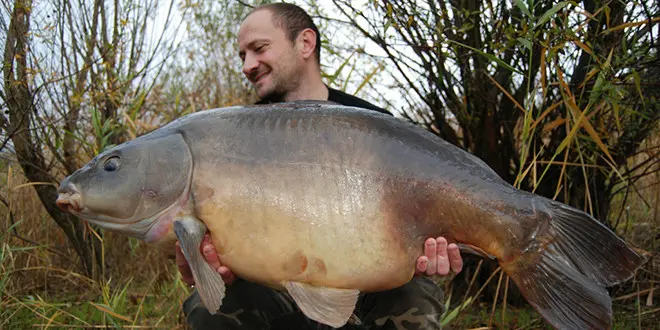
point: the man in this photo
(279, 46)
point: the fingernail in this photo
(207, 250)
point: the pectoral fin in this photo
(190, 232)
(330, 306)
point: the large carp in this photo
(327, 201)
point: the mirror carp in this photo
(327, 201)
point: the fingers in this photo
(227, 276)
(211, 256)
(209, 252)
(455, 260)
(184, 268)
(422, 264)
(430, 253)
(439, 258)
(442, 262)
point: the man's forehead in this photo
(259, 22)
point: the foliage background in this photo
(560, 98)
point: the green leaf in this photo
(137, 105)
(546, 16)
(333, 77)
(454, 313)
(489, 56)
(348, 78)
(617, 120)
(369, 77)
(637, 80)
(15, 224)
(95, 122)
(524, 8)
(28, 248)
(79, 139)
(597, 90)
(526, 43)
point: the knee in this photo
(245, 306)
(232, 314)
(416, 305)
(418, 290)
(192, 303)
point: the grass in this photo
(43, 286)
(125, 306)
(35, 294)
(479, 317)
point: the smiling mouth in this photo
(259, 77)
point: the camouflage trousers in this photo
(416, 305)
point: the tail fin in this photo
(565, 280)
(593, 249)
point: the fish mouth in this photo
(139, 228)
(150, 229)
(69, 199)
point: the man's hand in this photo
(211, 256)
(439, 258)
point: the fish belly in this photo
(302, 222)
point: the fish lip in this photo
(84, 213)
(68, 188)
(136, 228)
(69, 199)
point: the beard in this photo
(284, 79)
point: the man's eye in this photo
(260, 48)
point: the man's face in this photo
(270, 61)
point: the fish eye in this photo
(111, 164)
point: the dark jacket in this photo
(340, 97)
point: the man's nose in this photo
(250, 64)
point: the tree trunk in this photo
(21, 107)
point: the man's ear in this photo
(307, 43)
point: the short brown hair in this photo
(293, 19)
